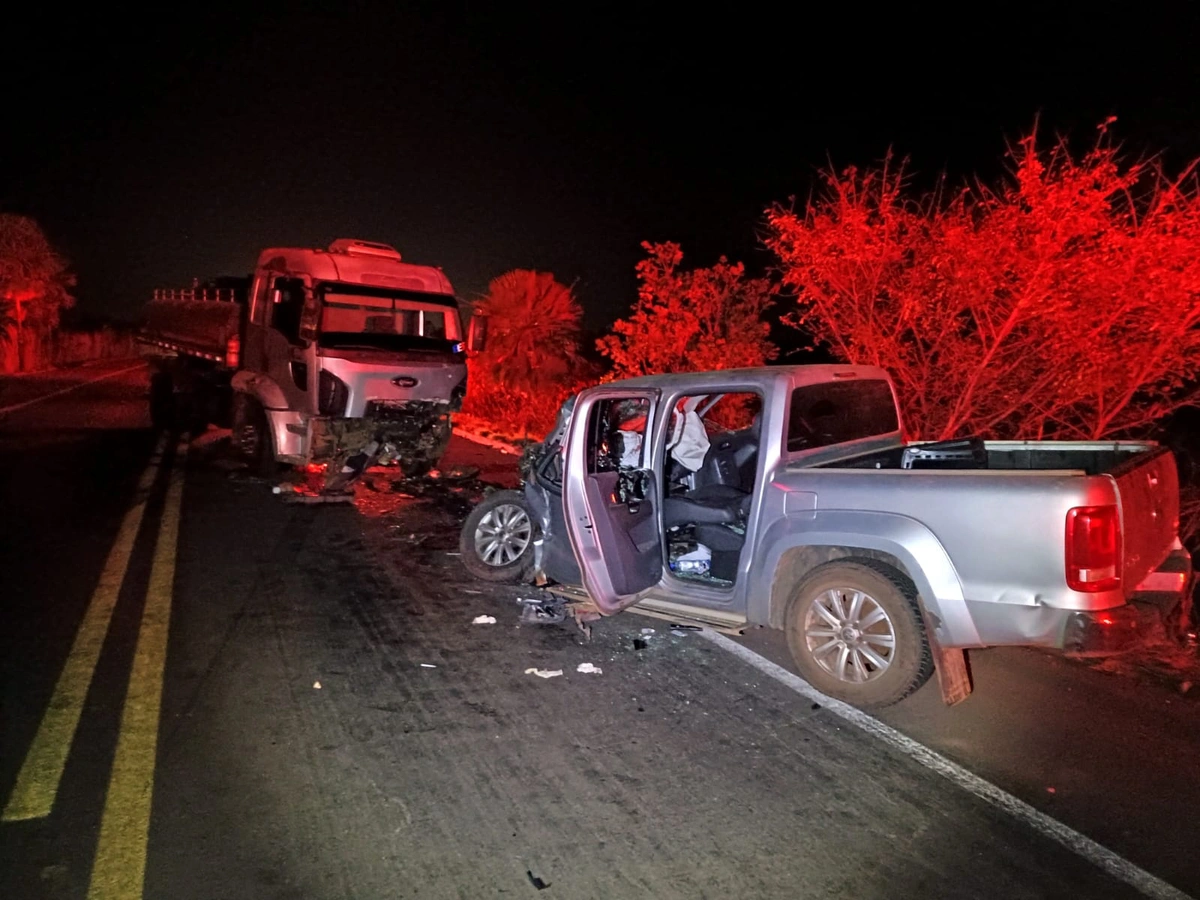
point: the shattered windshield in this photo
(379, 319)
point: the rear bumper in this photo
(1160, 607)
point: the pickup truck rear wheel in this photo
(855, 632)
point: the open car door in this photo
(610, 496)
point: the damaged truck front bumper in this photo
(413, 431)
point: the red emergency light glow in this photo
(1093, 548)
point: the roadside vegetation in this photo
(1061, 301)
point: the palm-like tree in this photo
(533, 331)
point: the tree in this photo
(691, 321)
(532, 360)
(1063, 302)
(34, 285)
(533, 329)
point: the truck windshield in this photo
(387, 320)
(840, 411)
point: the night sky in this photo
(153, 152)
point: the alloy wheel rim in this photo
(850, 635)
(503, 534)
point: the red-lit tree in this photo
(532, 359)
(1064, 302)
(691, 320)
(34, 289)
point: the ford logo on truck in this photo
(404, 381)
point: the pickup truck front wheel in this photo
(855, 632)
(496, 541)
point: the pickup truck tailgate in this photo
(1148, 487)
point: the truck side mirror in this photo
(477, 333)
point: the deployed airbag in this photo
(689, 440)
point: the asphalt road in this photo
(291, 701)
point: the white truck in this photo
(326, 358)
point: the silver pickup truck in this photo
(786, 497)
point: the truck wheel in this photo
(497, 539)
(855, 632)
(162, 401)
(252, 437)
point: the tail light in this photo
(1093, 548)
(332, 395)
(233, 352)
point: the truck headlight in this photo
(332, 395)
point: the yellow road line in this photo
(120, 867)
(37, 783)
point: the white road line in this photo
(5, 410)
(1097, 854)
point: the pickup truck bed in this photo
(1084, 457)
(1139, 477)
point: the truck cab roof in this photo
(356, 262)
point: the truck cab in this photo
(333, 357)
(350, 344)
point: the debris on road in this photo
(536, 881)
(647, 631)
(678, 633)
(316, 685)
(544, 673)
(458, 473)
(301, 493)
(542, 612)
(484, 620)
(428, 666)
(589, 669)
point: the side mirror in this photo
(477, 333)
